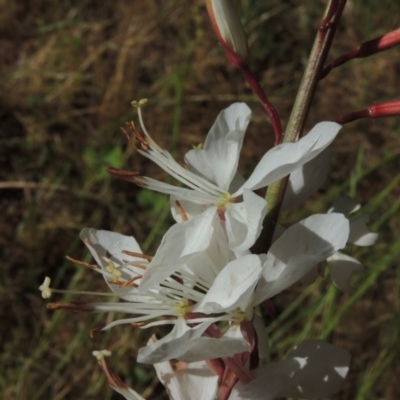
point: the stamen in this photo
(127, 175)
(181, 211)
(137, 324)
(113, 379)
(128, 137)
(130, 282)
(139, 255)
(70, 306)
(101, 354)
(139, 108)
(238, 315)
(94, 330)
(178, 365)
(138, 104)
(142, 266)
(45, 288)
(81, 263)
(114, 271)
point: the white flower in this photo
(290, 257)
(306, 180)
(212, 179)
(341, 266)
(207, 288)
(167, 301)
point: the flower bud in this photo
(379, 110)
(229, 29)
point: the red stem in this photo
(365, 49)
(380, 110)
(269, 108)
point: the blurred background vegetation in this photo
(68, 71)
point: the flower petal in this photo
(299, 249)
(323, 372)
(360, 234)
(306, 180)
(233, 287)
(182, 242)
(283, 159)
(105, 246)
(218, 161)
(244, 221)
(345, 205)
(342, 268)
(183, 210)
(188, 345)
(181, 384)
(270, 380)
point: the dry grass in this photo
(68, 73)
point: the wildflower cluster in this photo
(206, 281)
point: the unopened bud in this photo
(365, 49)
(229, 29)
(379, 110)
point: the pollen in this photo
(182, 308)
(45, 288)
(100, 354)
(225, 199)
(238, 315)
(114, 271)
(140, 103)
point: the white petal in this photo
(270, 380)
(360, 234)
(187, 344)
(237, 182)
(181, 384)
(106, 245)
(342, 268)
(218, 161)
(322, 374)
(190, 208)
(210, 263)
(299, 249)
(244, 221)
(181, 242)
(233, 287)
(306, 180)
(101, 242)
(283, 159)
(345, 205)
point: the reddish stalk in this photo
(365, 49)
(269, 108)
(380, 110)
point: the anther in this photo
(181, 211)
(114, 271)
(100, 354)
(81, 263)
(138, 255)
(137, 324)
(45, 288)
(130, 282)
